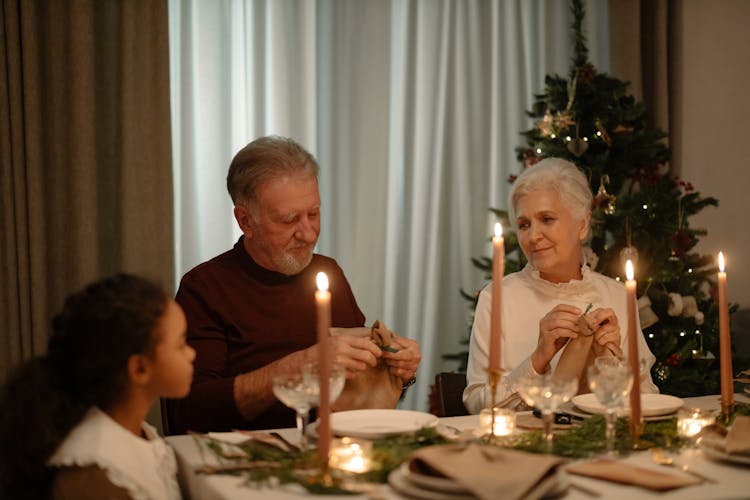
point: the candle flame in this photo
(721, 262)
(498, 230)
(322, 280)
(629, 271)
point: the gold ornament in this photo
(603, 199)
(545, 124)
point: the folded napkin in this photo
(738, 437)
(618, 472)
(375, 386)
(487, 471)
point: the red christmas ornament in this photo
(674, 360)
(682, 242)
(530, 159)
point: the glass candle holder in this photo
(691, 421)
(351, 455)
(505, 422)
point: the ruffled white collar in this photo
(582, 290)
(145, 467)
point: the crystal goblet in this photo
(610, 380)
(295, 392)
(546, 393)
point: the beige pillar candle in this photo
(725, 343)
(631, 287)
(498, 269)
(323, 307)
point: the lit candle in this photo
(351, 455)
(725, 343)
(631, 287)
(323, 306)
(504, 421)
(498, 269)
(691, 421)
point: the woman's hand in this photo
(405, 362)
(606, 329)
(555, 329)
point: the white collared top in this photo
(146, 468)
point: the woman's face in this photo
(549, 235)
(172, 363)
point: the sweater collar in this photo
(259, 272)
(582, 289)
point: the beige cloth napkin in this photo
(576, 356)
(487, 471)
(619, 472)
(579, 353)
(374, 387)
(738, 437)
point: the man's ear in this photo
(244, 220)
(139, 369)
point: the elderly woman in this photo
(550, 204)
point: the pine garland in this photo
(262, 464)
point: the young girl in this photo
(72, 422)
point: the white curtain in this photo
(413, 109)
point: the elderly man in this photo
(250, 311)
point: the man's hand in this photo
(405, 362)
(354, 353)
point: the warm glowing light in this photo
(351, 455)
(498, 230)
(691, 421)
(504, 425)
(322, 280)
(629, 272)
(721, 262)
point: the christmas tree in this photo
(641, 212)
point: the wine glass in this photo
(301, 392)
(546, 393)
(295, 392)
(335, 383)
(610, 380)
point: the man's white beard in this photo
(288, 264)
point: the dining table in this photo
(728, 480)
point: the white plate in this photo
(379, 423)
(717, 454)
(402, 480)
(401, 484)
(434, 483)
(652, 405)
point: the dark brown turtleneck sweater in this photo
(242, 317)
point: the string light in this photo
(645, 207)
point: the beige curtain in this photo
(85, 185)
(643, 53)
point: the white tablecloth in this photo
(733, 481)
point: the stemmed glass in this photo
(301, 392)
(335, 383)
(546, 393)
(610, 380)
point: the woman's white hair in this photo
(559, 175)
